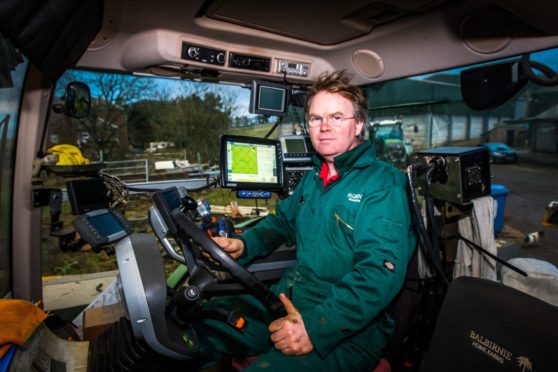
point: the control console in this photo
(203, 54)
(253, 194)
(293, 68)
(297, 154)
(102, 226)
(221, 57)
(249, 62)
(460, 175)
(296, 149)
(293, 176)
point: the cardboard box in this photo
(44, 351)
(96, 320)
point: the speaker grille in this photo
(368, 63)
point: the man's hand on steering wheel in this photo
(234, 247)
(288, 333)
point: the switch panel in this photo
(203, 54)
(293, 68)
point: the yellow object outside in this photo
(68, 155)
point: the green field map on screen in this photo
(245, 159)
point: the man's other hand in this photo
(234, 247)
(288, 333)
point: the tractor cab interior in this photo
(122, 122)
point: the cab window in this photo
(143, 130)
(432, 112)
(146, 129)
(12, 77)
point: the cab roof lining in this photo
(316, 21)
(55, 34)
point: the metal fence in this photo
(129, 170)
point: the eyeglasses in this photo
(332, 119)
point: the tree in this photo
(106, 124)
(192, 122)
(141, 110)
(198, 123)
(146, 121)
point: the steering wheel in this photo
(187, 229)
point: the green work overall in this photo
(354, 240)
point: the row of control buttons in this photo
(293, 68)
(253, 194)
(92, 228)
(249, 62)
(293, 177)
(202, 54)
(297, 155)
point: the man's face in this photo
(328, 139)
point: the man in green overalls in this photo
(350, 220)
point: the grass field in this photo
(255, 131)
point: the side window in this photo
(429, 111)
(12, 75)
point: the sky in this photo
(173, 88)
(10, 99)
(240, 94)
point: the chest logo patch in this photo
(355, 198)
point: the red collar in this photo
(324, 174)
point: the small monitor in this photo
(296, 148)
(86, 195)
(106, 224)
(166, 201)
(269, 98)
(251, 163)
(102, 226)
(295, 144)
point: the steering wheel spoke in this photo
(188, 230)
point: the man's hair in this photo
(339, 82)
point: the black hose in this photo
(273, 127)
(550, 77)
(206, 186)
(433, 227)
(431, 252)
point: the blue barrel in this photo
(499, 193)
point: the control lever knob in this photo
(189, 203)
(191, 293)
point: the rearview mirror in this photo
(490, 86)
(78, 99)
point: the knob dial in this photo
(193, 52)
(220, 57)
(191, 293)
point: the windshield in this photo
(155, 118)
(146, 130)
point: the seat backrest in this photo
(486, 326)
